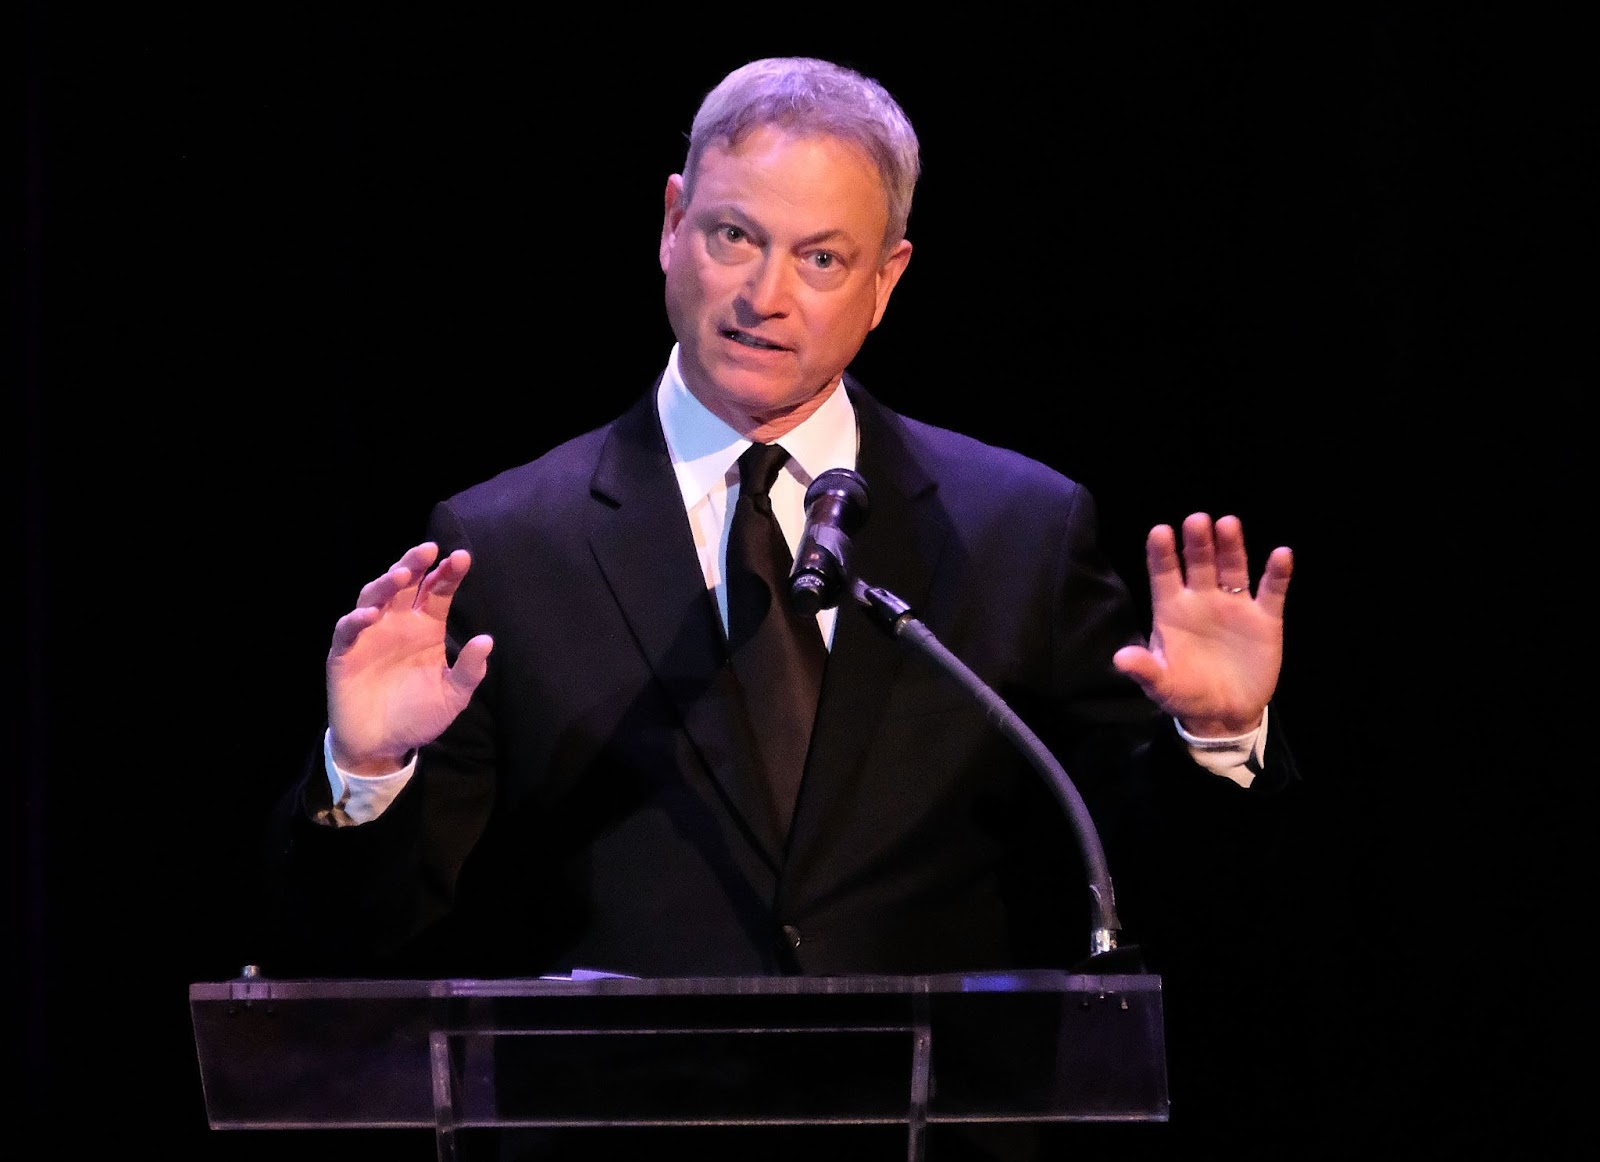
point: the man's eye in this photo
(731, 233)
(823, 260)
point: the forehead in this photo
(808, 182)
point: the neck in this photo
(766, 427)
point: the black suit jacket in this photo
(590, 808)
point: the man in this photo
(540, 754)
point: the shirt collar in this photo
(704, 449)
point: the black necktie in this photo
(777, 652)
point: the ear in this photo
(675, 203)
(888, 275)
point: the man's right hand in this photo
(390, 687)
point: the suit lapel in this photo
(897, 549)
(668, 609)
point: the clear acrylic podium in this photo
(460, 1055)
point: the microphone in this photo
(836, 507)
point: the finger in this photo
(348, 628)
(440, 585)
(399, 577)
(1162, 563)
(1274, 587)
(1233, 564)
(1199, 552)
(445, 579)
(418, 558)
(381, 590)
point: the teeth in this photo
(750, 341)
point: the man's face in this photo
(775, 274)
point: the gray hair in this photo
(814, 97)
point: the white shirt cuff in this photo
(360, 798)
(1238, 758)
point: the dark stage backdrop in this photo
(288, 275)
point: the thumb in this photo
(472, 663)
(1139, 664)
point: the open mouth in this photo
(747, 340)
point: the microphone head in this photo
(836, 506)
(850, 491)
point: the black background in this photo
(285, 276)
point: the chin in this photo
(758, 394)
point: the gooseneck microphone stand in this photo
(895, 618)
(837, 503)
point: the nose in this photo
(766, 292)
